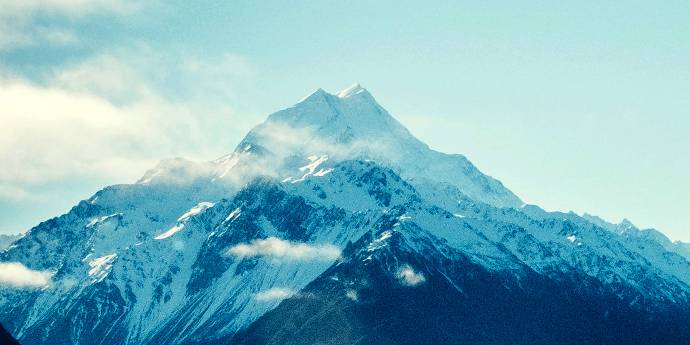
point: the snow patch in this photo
(99, 220)
(100, 267)
(310, 169)
(352, 90)
(380, 242)
(175, 229)
(233, 215)
(200, 207)
(323, 172)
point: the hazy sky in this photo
(583, 107)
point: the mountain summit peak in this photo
(353, 108)
(343, 94)
(352, 90)
(352, 125)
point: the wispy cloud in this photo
(273, 294)
(286, 140)
(409, 276)
(15, 35)
(281, 249)
(109, 76)
(16, 275)
(49, 133)
(20, 27)
(107, 118)
(67, 7)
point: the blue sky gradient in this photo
(581, 106)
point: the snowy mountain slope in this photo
(347, 125)
(195, 252)
(82, 247)
(412, 291)
(550, 241)
(352, 125)
(628, 230)
(184, 286)
(654, 272)
(225, 286)
(7, 240)
(149, 281)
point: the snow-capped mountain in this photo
(347, 125)
(334, 209)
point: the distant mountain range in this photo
(331, 224)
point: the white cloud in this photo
(66, 7)
(108, 116)
(105, 119)
(281, 249)
(48, 133)
(107, 76)
(224, 67)
(14, 193)
(20, 28)
(19, 33)
(352, 295)
(285, 140)
(13, 35)
(59, 36)
(409, 277)
(16, 275)
(274, 294)
(129, 74)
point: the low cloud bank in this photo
(282, 249)
(16, 275)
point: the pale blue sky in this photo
(582, 106)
